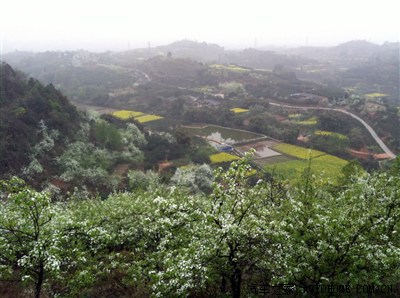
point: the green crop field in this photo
(297, 151)
(328, 167)
(273, 160)
(331, 160)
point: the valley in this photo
(190, 170)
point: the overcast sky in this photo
(101, 25)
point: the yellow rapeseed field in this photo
(329, 133)
(126, 114)
(147, 118)
(222, 157)
(239, 110)
(310, 121)
(374, 95)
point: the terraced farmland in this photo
(285, 160)
(328, 167)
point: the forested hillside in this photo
(28, 112)
(45, 140)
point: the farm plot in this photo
(222, 157)
(239, 110)
(376, 95)
(311, 121)
(138, 116)
(266, 161)
(126, 114)
(147, 118)
(231, 67)
(297, 151)
(328, 167)
(220, 135)
(263, 149)
(330, 134)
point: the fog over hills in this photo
(117, 25)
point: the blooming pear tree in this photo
(28, 240)
(350, 237)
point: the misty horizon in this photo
(230, 47)
(120, 25)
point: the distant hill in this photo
(199, 51)
(348, 54)
(98, 78)
(24, 105)
(359, 65)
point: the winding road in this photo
(369, 128)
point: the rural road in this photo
(369, 128)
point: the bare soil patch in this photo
(262, 148)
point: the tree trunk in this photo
(236, 282)
(39, 282)
(223, 285)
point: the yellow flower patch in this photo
(222, 157)
(331, 134)
(374, 95)
(310, 121)
(239, 110)
(147, 118)
(126, 114)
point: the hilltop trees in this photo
(25, 105)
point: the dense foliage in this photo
(27, 109)
(168, 241)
